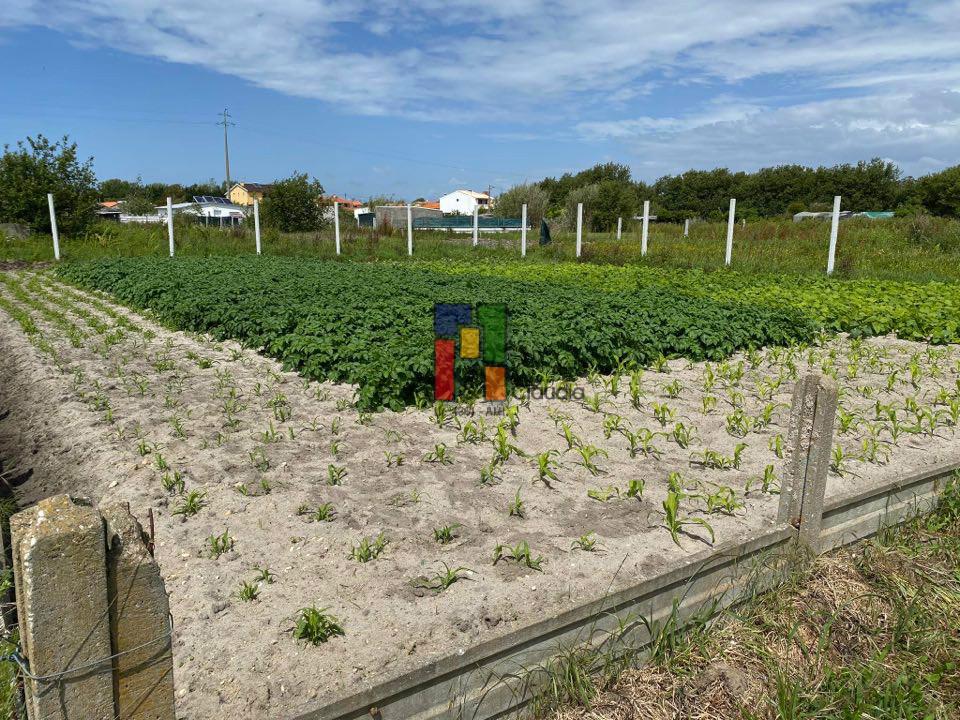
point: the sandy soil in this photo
(100, 397)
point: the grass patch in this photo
(919, 249)
(870, 631)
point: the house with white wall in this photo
(463, 202)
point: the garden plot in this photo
(310, 549)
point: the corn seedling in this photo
(569, 435)
(587, 543)
(217, 545)
(259, 460)
(264, 575)
(172, 482)
(441, 580)
(682, 435)
(775, 444)
(368, 549)
(517, 508)
(335, 474)
(838, 461)
(673, 389)
(393, 459)
(769, 483)
(587, 455)
(446, 534)
(708, 403)
(663, 413)
(635, 489)
(603, 494)
(675, 523)
(546, 467)
(316, 626)
(520, 554)
(738, 423)
(249, 591)
(439, 455)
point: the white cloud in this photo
(903, 127)
(846, 68)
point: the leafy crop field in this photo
(310, 544)
(372, 324)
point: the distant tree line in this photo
(608, 191)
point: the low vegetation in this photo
(870, 631)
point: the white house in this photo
(463, 202)
(208, 207)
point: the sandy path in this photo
(259, 443)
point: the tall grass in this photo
(921, 248)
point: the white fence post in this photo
(170, 223)
(523, 231)
(834, 225)
(579, 227)
(256, 223)
(336, 225)
(53, 228)
(686, 227)
(409, 230)
(646, 227)
(730, 221)
(619, 227)
(476, 225)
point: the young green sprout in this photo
(587, 455)
(368, 548)
(519, 554)
(441, 580)
(249, 591)
(217, 545)
(517, 508)
(446, 534)
(191, 504)
(603, 494)
(546, 467)
(635, 489)
(335, 474)
(675, 523)
(316, 626)
(439, 455)
(587, 543)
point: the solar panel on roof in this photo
(215, 199)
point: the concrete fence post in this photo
(476, 225)
(170, 224)
(93, 612)
(686, 227)
(728, 258)
(523, 231)
(256, 223)
(810, 443)
(53, 227)
(646, 227)
(619, 227)
(61, 585)
(579, 228)
(139, 621)
(409, 230)
(834, 226)
(336, 225)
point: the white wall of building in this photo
(458, 201)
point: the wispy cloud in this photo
(588, 66)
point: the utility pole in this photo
(226, 147)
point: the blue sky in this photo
(419, 97)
